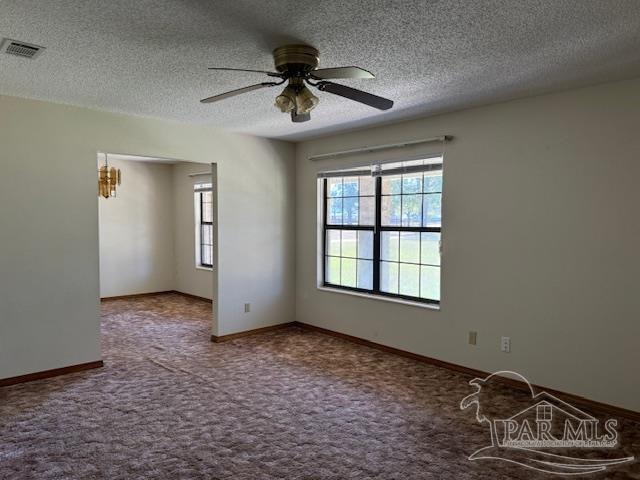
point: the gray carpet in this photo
(289, 404)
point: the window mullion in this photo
(324, 231)
(350, 227)
(376, 236)
(201, 230)
(202, 262)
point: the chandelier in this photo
(108, 179)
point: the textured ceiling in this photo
(149, 57)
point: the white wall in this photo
(188, 277)
(49, 285)
(137, 231)
(541, 235)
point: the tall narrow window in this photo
(382, 230)
(204, 224)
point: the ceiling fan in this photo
(297, 65)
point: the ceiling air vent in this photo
(21, 49)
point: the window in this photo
(382, 230)
(544, 412)
(204, 225)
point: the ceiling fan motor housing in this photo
(296, 59)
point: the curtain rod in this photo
(377, 148)
(201, 174)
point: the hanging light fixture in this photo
(108, 179)
(305, 101)
(297, 99)
(286, 101)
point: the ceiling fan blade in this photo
(239, 91)
(357, 95)
(271, 74)
(341, 72)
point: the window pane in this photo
(430, 248)
(207, 212)
(411, 210)
(389, 246)
(206, 234)
(348, 274)
(334, 213)
(412, 183)
(409, 280)
(349, 242)
(334, 187)
(365, 274)
(391, 210)
(389, 277)
(367, 210)
(432, 182)
(391, 185)
(365, 244)
(206, 256)
(410, 247)
(350, 186)
(432, 210)
(350, 211)
(333, 242)
(367, 185)
(430, 282)
(332, 274)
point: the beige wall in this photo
(49, 278)
(137, 231)
(540, 233)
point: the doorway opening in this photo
(158, 232)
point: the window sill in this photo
(208, 269)
(428, 306)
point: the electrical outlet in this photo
(247, 307)
(473, 337)
(505, 344)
